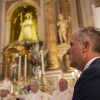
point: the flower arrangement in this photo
(27, 87)
(36, 61)
(35, 48)
(36, 56)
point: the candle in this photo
(42, 60)
(39, 74)
(11, 88)
(19, 69)
(25, 67)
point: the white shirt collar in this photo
(88, 64)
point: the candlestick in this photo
(19, 69)
(42, 60)
(25, 67)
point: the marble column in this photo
(74, 17)
(51, 38)
(65, 10)
(96, 16)
(87, 15)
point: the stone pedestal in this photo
(63, 57)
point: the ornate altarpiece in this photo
(15, 19)
(14, 50)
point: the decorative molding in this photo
(20, 3)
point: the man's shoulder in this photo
(42, 93)
(55, 92)
(29, 94)
(70, 89)
(39, 91)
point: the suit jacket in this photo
(88, 85)
(39, 96)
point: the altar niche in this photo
(24, 60)
(16, 59)
(24, 24)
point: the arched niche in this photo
(10, 15)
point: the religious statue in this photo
(63, 27)
(14, 70)
(28, 29)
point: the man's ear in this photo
(86, 46)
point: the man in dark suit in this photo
(84, 55)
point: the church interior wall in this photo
(80, 12)
(96, 2)
(0, 23)
(87, 17)
(73, 13)
(5, 22)
(96, 15)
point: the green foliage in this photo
(42, 87)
